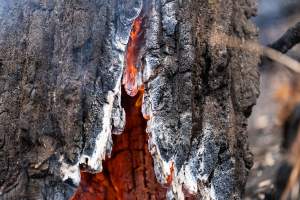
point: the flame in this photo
(131, 71)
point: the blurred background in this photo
(273, 126)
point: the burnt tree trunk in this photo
(62, 67)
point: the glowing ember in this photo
(129, 173)
(130, 79)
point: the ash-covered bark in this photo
(61, 64)
(199, 94)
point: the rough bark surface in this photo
(61, 67)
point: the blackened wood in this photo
(60, 76)
(288, 40)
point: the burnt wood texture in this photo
(61, 69)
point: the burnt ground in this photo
(265, 136)
(274, 18)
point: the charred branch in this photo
(289, 39)
(280, 47)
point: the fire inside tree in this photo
(60, 104)
(131, 80)
(128, 173)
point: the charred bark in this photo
(61, 69)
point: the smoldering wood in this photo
(60, 101)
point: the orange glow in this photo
(139, 101)
(128, 174)
(131, 71)
(170, 177)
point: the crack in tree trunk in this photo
(62, 64)
(126, 171)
